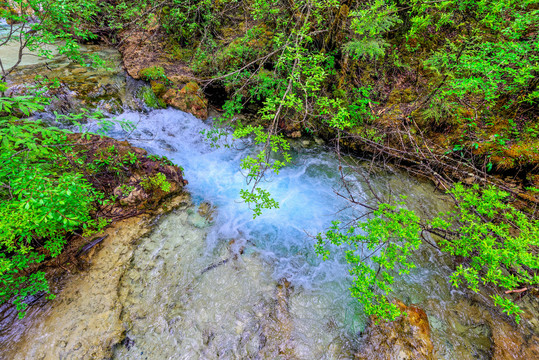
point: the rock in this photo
(198, 221)
(140, 53)
(206, 210)
(172, 172)
(189, 99)
(508, 343)
(88, 307)
(277, 326)
(180, 79)
(134, 275)
(77, 71)
(158, 88)
(502, 337)
(408, 337)
(470, 179)
(290, 128)
(319, 141)
(80, 86)
(295, 134)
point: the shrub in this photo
(497, 241)
(41, 198)
(154, 182)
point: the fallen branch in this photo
(516, 291)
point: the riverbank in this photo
(84, 321)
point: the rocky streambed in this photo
(85, 320)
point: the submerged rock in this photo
(505, 339)
(207, 210)
(511, 344)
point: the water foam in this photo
(308, 204)
(304, 191)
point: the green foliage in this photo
(308, 62)
(126, 189)
(312, 61)
(255, 166)
(439, 111)
(131, 158)
(258, 199)
(390, 236)
(156, 73)
(41, 198)
(497, 241)
(162, 159)
(55, 22)
(369, 24)
(155, 182)
(188, 19)
(492, 56)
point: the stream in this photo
(254, 286)
(211, 282)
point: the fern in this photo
(368, 48)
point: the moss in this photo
(147, 95)
(503, 163)
(153, 73)
(191, 88)
(401, 96)
(524, 153)
(177, 52)
(158, 88)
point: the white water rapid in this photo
(255, 287)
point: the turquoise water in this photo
(277, 246)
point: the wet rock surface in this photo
(84, 321)
(220, 305)
(502, 337)
(472, 330)
(106, 88)
(407, 338)
(173, 82)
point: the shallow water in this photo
(255, 282)
(10, 51)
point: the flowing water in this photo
(256, 286)
(212, 282)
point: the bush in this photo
(497, 241)
(41, 198)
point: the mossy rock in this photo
(189, 99)
(147, 95)
(158, 88)
(191, 88)
(156, 73)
